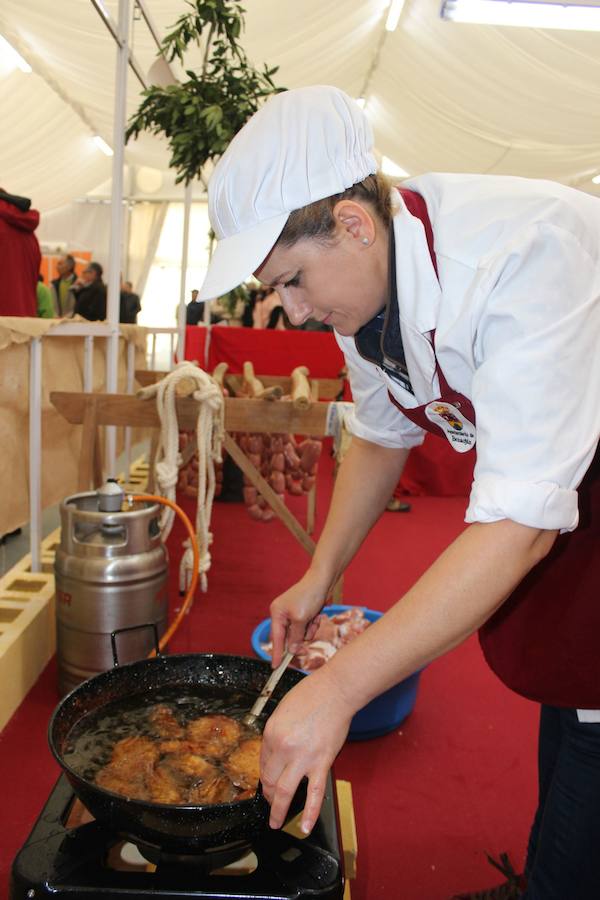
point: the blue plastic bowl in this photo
(382, 714)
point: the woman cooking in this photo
(468, 306)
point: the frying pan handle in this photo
(117, 631)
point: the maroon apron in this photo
(544, 641)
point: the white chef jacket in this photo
(516, 313)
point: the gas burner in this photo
(208, 860)
(63, 862)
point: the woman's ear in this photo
(355, 220)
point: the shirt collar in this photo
(418, 289)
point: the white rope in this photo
(210, 430)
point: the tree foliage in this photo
(200, 116)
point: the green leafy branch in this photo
(200, 116)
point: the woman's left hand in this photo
(303, 737)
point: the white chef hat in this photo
(302, 145)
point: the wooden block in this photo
(293, 827)
(301, 391)
(27, 628)
(347, 826)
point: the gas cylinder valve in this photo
(110, 496)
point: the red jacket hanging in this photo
(20, 256)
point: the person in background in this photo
(129, 304)
(20, 255)
(266, 309)
(248, 313)
(45, 302)
(194, 312)
(90, 294)
(467, 306)
(63, 297)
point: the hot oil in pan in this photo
(169, 747)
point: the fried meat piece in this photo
(133, 789)
(164, 723)
(243, 765)
(175, 746)
(216, 790)
(189, 766)
(164, 786)
(214, 736)
(185, 777)
(132, 760)
(134, 753)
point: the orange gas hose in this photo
(192, 588)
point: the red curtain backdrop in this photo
(434, 469)
(271, 352)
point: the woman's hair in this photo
(316, 220)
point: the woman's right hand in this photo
(295, 615)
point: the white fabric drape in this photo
(145, 227)
(441, 96)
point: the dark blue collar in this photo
(380, 340)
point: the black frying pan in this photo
(174, 829)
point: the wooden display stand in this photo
(268, 387)
(241, 415)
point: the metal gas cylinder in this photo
(111, 572)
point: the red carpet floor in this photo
(455, 781)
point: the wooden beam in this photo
(261, 416)
(146, 377)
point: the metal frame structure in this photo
(119, 31)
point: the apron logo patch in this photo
(458, 430)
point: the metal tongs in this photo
(251, 717)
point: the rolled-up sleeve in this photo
(540, 504)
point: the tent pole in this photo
(208, 326)
(207, 318)
(187, 206)
(117, 231)
(35, 452)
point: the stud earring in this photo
(365, 240)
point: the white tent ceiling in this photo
(441, 96)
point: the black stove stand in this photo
(71, 863)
